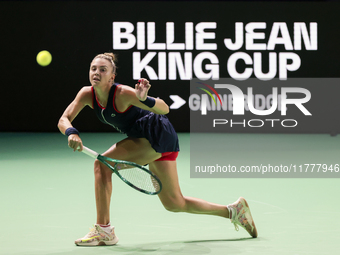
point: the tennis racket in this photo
(136, 176)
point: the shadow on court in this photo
(185, 247)
(213, 246)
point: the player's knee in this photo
(175, 207)
(100, 169)
(97, 165)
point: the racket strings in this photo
(138, 177)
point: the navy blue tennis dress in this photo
(138, 123)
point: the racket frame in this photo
(104, 160)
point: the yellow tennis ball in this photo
(44, 58)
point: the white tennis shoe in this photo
(241, 216)
(97, 237)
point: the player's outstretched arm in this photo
(83, 98)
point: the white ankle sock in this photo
(107, 228)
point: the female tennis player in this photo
(151, 139)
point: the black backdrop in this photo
(33, 98)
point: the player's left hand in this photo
(142, 87)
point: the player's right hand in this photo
(75, 143)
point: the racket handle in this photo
(90, 152)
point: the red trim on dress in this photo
(168, 156)
(92, 98)
(96, 100)
(113, 102)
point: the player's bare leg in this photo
(171, 195)
(103, 191)
(137, 150)
(173, 200)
